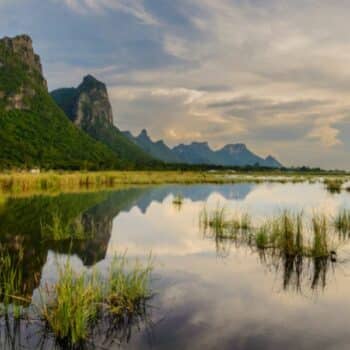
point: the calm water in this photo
(208, 294)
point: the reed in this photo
(342, 222)
(334, 185)
(320, 248)
(283, 235)
(127, 289)
(74, 305)
(12, 290)
(53, 181)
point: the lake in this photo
(208, 293)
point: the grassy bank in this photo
(59, 181)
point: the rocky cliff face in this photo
(17, 54)
(86, 105)
(92, 103)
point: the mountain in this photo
(33, 129)
(200, 153)
(88, 107)
(196, 153)
(158, 149)
(239, 155)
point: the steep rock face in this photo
(89, 108)
(87, 104)
(92, 103)
(18, 54)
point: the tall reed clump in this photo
(73, 307)
(288, 233)
(342, 222)
(334, 185)
(76, 303)
(320, 248)
(127, 289)
(11, 284)
(220, 225)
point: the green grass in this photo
(12, 290)
(127, 289)
(284, 234)
(342, 222)
(334, 185)
(54, 181)
(60, 229)
(73, 306)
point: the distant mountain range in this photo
(72, 128)
(200, 153)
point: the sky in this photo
(274, 74)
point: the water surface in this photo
(209, 294)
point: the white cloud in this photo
(131, 7)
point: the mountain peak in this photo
(22, 47)
(17, 55)
(91, 83)
(143, 136)
(272, 162)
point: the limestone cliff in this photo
(17, 55)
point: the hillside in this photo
(88, 107)
(33, 129)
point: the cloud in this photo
(325, 133)
(273, 74)
(131, 7)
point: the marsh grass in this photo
(342, 222)
(54, 181)
(57, 228)
(217, 223)
(334, 185)
(12, 290)
(127, 289)
(284, 234)
(74, 305)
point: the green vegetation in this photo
(286, 243)
(71, 307)
(334, 185)
(218, 224)
(55, 181)
(12, 289)
(127, 290)
(284, 233)
(342, 222)
(79, 301)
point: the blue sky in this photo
(271, 73)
